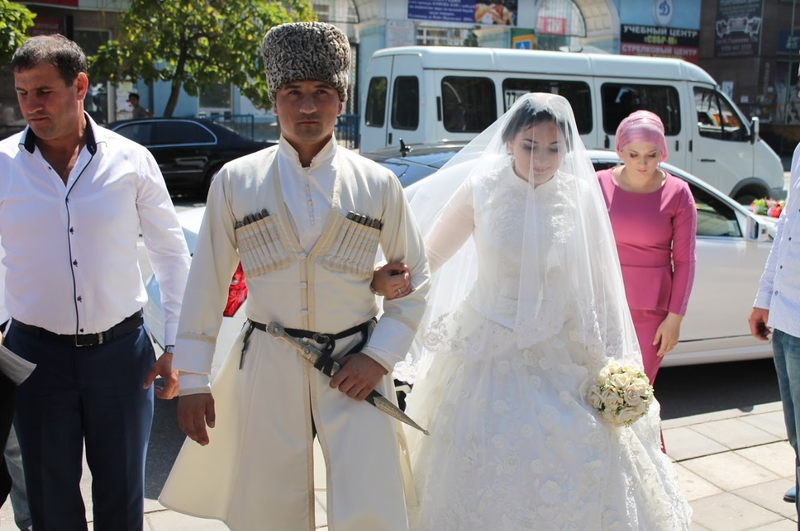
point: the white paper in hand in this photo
(15, 368)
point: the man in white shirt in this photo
(777, 310)
(306, 218)
(73, 197)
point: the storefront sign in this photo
(47, 26)
(738, 28)
(655, 41)
(551, 25)
(788, 42)
(464, 11)
(662, 12)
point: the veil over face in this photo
(565, 272)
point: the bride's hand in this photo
(392, 281)
(668, 333)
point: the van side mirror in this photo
(754, 128)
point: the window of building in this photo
(405, 103)
(215, 99)
(444, 36)
(621, 99)
(468, 103)
(576, 92)
(375, 113)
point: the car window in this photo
(376, 102)
(405, 103)
(714, 217)
(138, 132)
(576, 92)
(171, 133)
(716, 117)
(621, 99)
(468, 103)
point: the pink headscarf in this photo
(642, 126)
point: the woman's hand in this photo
(668, 333)
(392, 281)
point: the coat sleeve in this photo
(215, 259)
(401, 242)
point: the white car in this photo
(732, 248)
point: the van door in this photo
(722, 154)
(405, 103)
(374, 123)
(620, 97)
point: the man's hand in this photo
(758, 323)
(163, 367)
(194, 413)
(358, 376)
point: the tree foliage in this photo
(196, 43)
(15, 20)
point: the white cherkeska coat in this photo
(257, 472)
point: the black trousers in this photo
(7, 392)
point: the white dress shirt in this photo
(779, 289)
(71, 251)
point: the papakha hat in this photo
(306, 51)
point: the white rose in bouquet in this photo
(622, 393)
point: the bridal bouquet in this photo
(622, 393)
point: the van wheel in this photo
(745, 198)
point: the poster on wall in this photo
(737, 31)
(501, 12)
(657, 41)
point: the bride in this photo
(527, 306)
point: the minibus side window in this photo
(716, 117)
(468, 104)
(576, 92)
(621, 99)
(375, 112)
(405, 103)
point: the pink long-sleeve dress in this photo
(655, 234)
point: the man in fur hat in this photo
(305, 218)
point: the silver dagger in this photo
(311, 355)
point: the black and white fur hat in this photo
(306, 51)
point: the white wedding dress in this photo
(514, 444)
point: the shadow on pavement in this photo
(166, 440)
(697, 389)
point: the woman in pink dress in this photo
(654, 220)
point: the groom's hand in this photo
(194, 412)
(358, 376)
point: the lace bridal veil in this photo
(566, 271)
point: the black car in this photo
(189, 151)
(411, 162)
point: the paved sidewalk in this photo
(734, 467)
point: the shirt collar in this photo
(326, 153)
(29, 137)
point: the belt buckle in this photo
(89, 341)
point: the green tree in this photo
(195, 44)
(15, 20)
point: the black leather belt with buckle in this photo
(125, 326)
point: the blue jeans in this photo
(19, 495)
(786, 353)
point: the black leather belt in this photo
(325, 363)
(126, 326)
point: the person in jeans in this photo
(777, 311)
